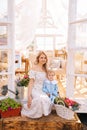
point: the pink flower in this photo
(26, 76)
(9, 108)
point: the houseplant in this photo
(9, 107)
(21, 82)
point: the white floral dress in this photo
(41, 104)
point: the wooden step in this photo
(51, 122)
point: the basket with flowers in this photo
(69, 103)
(65, 107)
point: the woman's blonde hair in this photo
(37, 60)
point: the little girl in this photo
(50, 86)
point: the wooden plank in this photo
(51, 122)
(0, 124)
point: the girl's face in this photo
(42, 59)
(51, 76)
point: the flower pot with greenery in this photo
(9, 107)
(21, 83)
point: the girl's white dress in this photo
(41, 104)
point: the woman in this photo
(39, 103)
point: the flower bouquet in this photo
(9, 107)
(71, 104)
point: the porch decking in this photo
(51, 122)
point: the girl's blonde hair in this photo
(37, 60)
(50, 71)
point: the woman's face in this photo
(42, 59)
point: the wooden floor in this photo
(51, 122)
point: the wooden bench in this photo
(51, 122)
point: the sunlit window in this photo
(44, 43)
(3, 35)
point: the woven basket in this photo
(64, 112)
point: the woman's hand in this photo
(29, 101)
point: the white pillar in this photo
(11, 43)
(71, 46)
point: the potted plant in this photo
(21, 83)
(9, 107)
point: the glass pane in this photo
(3, 81)
(60, 42)
(3, 61)
(81, 62)
(3, 35)
(49, 43)
(80, 87)
(81, 34)
(39, 44)
(3, 9)
(78, 61)
(81, 8)
(44, 43)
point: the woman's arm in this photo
(31, 83)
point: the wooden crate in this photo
(0, 124)
(51, 122)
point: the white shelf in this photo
(5, 47)
(78, 49)
(79, 21)
(79, 75)
(4, 23)
(5, 73)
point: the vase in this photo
(20, 90)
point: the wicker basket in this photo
(64, 112)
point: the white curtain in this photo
(27, 18)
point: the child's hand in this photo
(48, 94)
